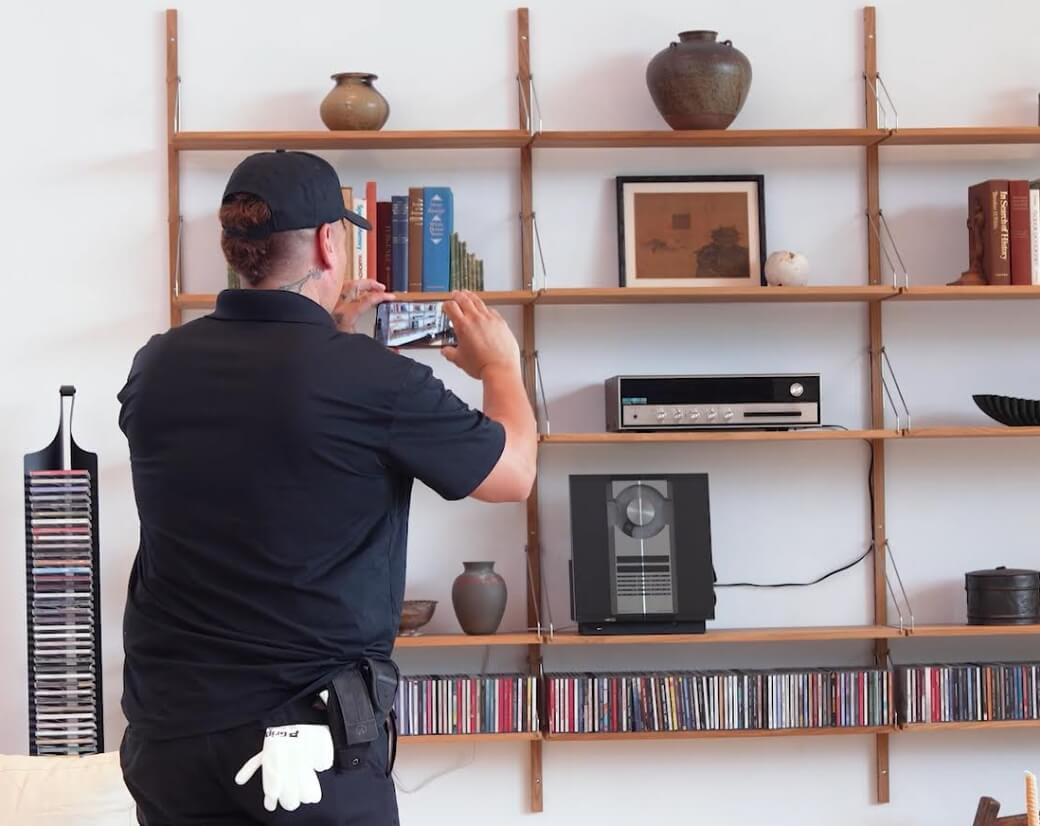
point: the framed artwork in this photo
(691, 230)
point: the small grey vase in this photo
(479, 598)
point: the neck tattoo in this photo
(297, 286)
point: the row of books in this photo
(944, 693)
(724, 701)
(412, 246)
(1004, 231)
(467, 704)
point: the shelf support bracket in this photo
(881, 107)
(540, 392)
(177, 258)
(881, 230)
(899, 391)
(905, 623)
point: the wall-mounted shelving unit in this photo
(873, 295)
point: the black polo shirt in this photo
(272, 461)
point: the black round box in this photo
(1003, 596)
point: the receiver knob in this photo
(797, 390)
(713, 413)
(660, 414)
(727, 415)
(677, 415)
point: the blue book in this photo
(438, 225)
(399, 244)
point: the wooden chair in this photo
(986, 815)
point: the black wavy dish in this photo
(1009, 410)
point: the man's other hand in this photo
(357, 298)
(484, 339)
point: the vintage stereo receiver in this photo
(774, 401)
(641, 554)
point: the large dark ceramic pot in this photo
(698, 83)
(479, 598)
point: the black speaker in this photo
(641, 554)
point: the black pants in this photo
(191, 782)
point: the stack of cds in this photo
(63, 617)
(969, 692)
(467, 704)
(63, 693)
(720, 701)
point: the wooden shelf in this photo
(985, 293)
(722, 295)
(963, 135)
(953, 630)
(716, 436)
(970, 726)
(511, 737)
(196, 301)
(580, 296)
(465, 640)
(495, 297)
(433, 139)
(712, 735)
(997, 432)
(658, 138)
(207, 301)
(734, 635)
(597, 139)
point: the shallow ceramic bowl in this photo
(415, 613)
(1009, 410)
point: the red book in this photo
(373, 219)
(1018, 220)
(382, 270)
(988, 213)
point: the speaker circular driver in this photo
(643, 509)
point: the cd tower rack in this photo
(62, 606)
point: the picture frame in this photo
(691, 230)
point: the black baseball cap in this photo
(301, 190)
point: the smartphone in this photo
(413, 324)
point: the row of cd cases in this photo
(62, 590)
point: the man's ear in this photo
(326, 247)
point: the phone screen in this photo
(413, 324)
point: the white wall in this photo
(83, 217)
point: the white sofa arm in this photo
(64, 791)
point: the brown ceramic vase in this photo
(354, 104)
(479, 598)
(699, 83)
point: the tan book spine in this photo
(463, 272)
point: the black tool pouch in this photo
(361, 699)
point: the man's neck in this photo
(305, 285)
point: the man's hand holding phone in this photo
(485, 341)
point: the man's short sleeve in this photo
(126, 395)
(438, 439)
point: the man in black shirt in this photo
(273, 452)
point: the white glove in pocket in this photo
(290, 760)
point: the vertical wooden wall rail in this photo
(877, 404)
(528, 348)
(173, 173)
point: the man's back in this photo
(273, 460)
